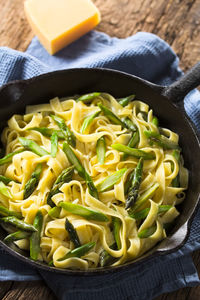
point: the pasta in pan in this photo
(89, 181)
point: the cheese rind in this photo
(57, 23)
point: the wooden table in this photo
(175, 21)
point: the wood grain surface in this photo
(175, 21)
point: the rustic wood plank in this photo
(176, 21)
(29, 290)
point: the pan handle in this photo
(180, 88)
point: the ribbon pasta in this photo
(55, 240)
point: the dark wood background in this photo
(175, 21)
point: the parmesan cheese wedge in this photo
(57, 23)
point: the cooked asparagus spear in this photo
(18, 223)
(6, 212)
(35, 237)
(88, 97)
(84, 212)
(110, 180)
(110, 115)
(116, 223)
(105, 259)
(33, 181)
(78, 252)
(126, 100)
(8, 158)
(64, 177)
(143, 198)
(133, 152)
(134, 189)
(87, 121)
(48, 132)
(54, 212)
(54, 144)
(147, 232)
(5, 179)
(142, 214)
(32, 146)
(80, 169)
(155, 121)
(161, 140)
(129, 124)
(69, 135)
(128, 182)
(16, 236)
(134, 140)
(101, 150)
(4, 190)
(72, 233)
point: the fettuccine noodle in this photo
(134, 235)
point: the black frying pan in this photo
(163, 100)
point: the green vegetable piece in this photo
(155, 121)
(176, 180)
(65, 176)
(116, 222)
(129, 124)
(16, 236)
(53, 192)
(69, 135)
(142, 214)
(32, 146)
(144, 198)
(101, 150)
(133, 151)
(161, 140)
(48, 132)
(18, 223)
(6, 212)
(87, 121)
(109, 182)
(134, 140)
(84, 212)
(128, 182)
(54, 212)
(54, 144)
(88, 97)
(134, 189)
(80, 169)
(32, 183)
(105, 259)
(110, 115)
(8, 158)
(5, 179)
(147, 232)
(72, 233)
(4, 190)
(74, 160)
(78, 252)
(163, 208)
(36, 236)
(126, 100)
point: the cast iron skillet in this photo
(163, 100)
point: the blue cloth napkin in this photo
(149, 57)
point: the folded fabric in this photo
(149, 57)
